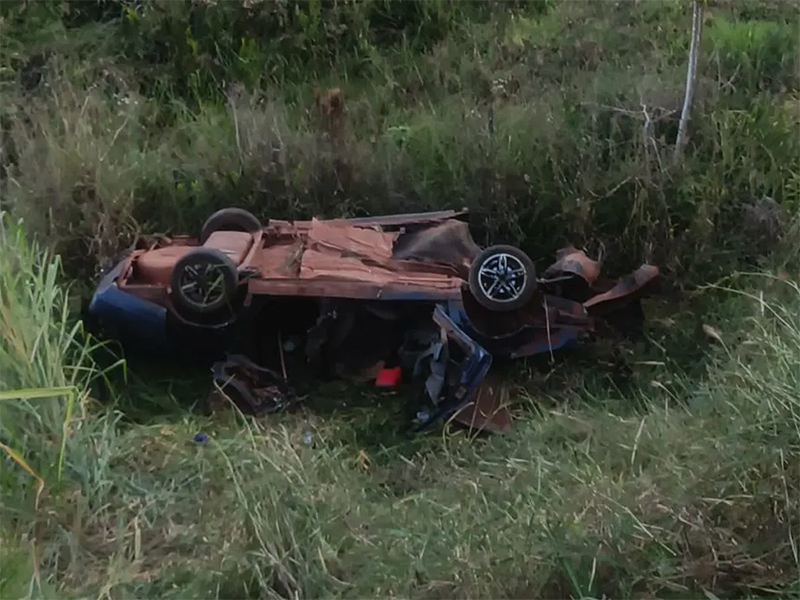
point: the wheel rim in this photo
(502, 277)
(203, 284)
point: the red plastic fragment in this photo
(388, 377)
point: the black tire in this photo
(215, 277)
(229, 219)
(517, 290)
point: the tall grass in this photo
(43, 360)
(552, 121)
(46, 369)
(683, 486)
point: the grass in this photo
(673, 475)
(679, 486)
(533, 118)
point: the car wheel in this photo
(502, 278)
(203, 282)
(229, 219)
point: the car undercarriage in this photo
(397, 299)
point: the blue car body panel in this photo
(144, 327)
(474, 368)
(136, 322)
(564, 337)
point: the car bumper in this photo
(131, 320)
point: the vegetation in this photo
(555, 122)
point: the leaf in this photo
(37, 393)
(27, 468)
(712, 332)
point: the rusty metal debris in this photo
(488, 410)
(409, 297)
(255, 389)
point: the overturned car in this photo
(366, 298)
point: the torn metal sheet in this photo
(625, 289)
(572, 261)
(361, 299)
(254, 389)
(487, 411)
(466, 374)
(408, 219)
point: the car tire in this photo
(229, 219)
(517, 284)
(203, 282)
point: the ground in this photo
(669, 467)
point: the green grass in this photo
(674, 474)
(532, 117)
(678, 486)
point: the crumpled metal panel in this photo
(625, 289)
(339, 259)
(575, 262)
(487, 410)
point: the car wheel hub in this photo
(502, 277)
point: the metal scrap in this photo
(253, 388)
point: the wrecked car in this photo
(386, 298)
